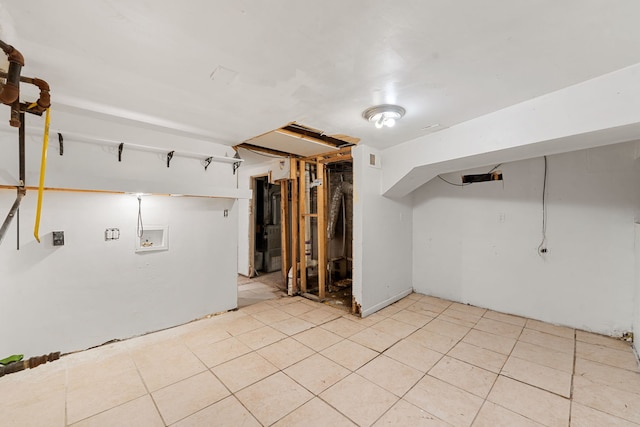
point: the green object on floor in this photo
(11, 359)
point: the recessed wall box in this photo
(154, 238)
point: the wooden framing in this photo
(302, 188)
(322, 233)
(284, 208)
(331, 156)
(299, 211)
(294, 226)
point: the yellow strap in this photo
(43, 169)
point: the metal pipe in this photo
(21, 148)
(10, 215)
(10, 91)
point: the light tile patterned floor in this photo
(291, 362)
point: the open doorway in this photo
(267, 239)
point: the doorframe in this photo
(252, 223)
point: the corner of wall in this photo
(382, 236)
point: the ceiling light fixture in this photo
(384, 115)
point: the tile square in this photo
(188, 396)
(359, 399)
(108, 384)
(261, 337)
(490, 341)
(138, 412)
(560, 331)
(547, 340)
(317, 338)
(583, 416)
(375, 339)
(618, 378)
(413, 354)
(445, 401)
(468, 308)
(553, 380)
(285, 353)
(395, 328)
(492, 415)
(607, 355)
(390, 374)
(404, 413)
(602, 340)
(495, 327)
(349, 354)
(274, 397)
(241, 325)
(467, 377)
(506, 318)
(319, 316)
(459, 317)
(478, 356)
(343, 326)
(272, 315)
(432, 340)
(33, 398)
(412, 318)
(426, 309)
(315, 413)
(293, 325)
(316, 373)
(536, 404)
(220, 352)
(243, 371)
(227, 412)
(448, 329)
(544, 356)
(612, 401)
(296, 308)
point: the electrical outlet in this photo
(58, 238)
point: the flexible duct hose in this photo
(343, 188)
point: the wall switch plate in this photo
(58, 238)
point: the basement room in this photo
(297, 213)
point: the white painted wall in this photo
(478, 244)
(382, 238)
(90, 290)
(562, 121)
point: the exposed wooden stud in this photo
(294, 226)
(284, 229)
(322, 233)
(303, 210)
(343, 152)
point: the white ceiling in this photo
(319, 63)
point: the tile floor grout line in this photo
(573, 373)
(486, 398)
(146, 387)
